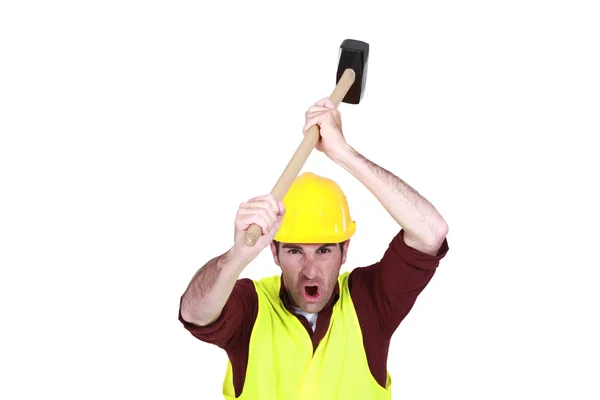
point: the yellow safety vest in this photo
(281, 363)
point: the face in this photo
(310, 272)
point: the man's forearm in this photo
(210, 288)
(424, 227)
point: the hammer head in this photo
(354, 54)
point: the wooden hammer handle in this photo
(311, 138)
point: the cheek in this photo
(331, 271)
(290, 266)
(290, 273)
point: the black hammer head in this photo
(354, 54)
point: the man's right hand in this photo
(264, 211)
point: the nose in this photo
(310, 269)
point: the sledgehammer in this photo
(351, 79)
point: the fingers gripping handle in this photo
(252, 235)
(311, 138)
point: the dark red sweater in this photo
(383, 293)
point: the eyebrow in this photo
(291, 246)
(295, 246)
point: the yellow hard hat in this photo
(316, 211)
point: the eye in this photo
(293, 251)
(324, 250)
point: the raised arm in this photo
(425, 229)
(211, 286)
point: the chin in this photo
(312, 307)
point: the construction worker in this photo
(313, 332)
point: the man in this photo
(313, 333)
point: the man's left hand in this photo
(329, 120)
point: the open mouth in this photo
(311, 292)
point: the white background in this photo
(130, 132)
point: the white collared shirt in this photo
(312, 318)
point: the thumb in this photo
(276, 225)
(267, 237)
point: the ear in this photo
(345, 253)
(274, 252)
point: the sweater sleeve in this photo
(234, 325)
(385, 292)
